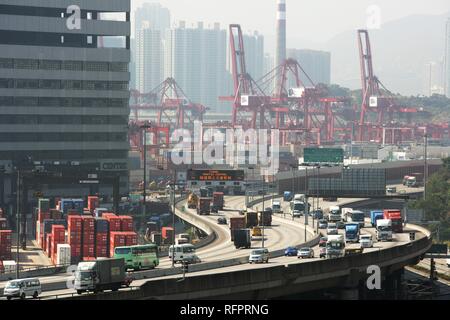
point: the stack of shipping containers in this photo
(87, 237)
(74, 234)
(101, 237)
(58, 236)
(5, 244)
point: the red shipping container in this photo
(74, 223)
(116, 239)
(75, 250)
(88, 237)
(101, 238)
(88, 250)
(48, 242)
(58, 230)
(167, 232)
(74, 238)
(5, 235)
(126, 223)
(131, 239)
(101, 252)
(93, 202)
(114, 223)
(88, 223)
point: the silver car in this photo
(332, 229)
(305, 253)
(259, 256)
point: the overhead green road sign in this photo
(323, 155)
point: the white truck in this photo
(300, 197)
(345, 213)
(384, 230)
(297, 208)
(334, 214)
(335, 247)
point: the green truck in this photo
(101, 274)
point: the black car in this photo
(317, 214)
(340, 225)
(222, 220)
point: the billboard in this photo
(323, 155)
(216, 175)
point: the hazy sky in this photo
(315, 21)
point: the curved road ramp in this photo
(266, 281)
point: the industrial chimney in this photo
(280, 55)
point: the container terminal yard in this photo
(151, 195)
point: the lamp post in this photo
(145, 127)
(263, 214)
(247, 185)
(18, 221)
(425, 169)
(173, 217)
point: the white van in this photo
(22, 288)
(184, 253)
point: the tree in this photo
(437, 204)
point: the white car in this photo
(259, 255)
(305, 253)
(332, 228)
(365, 240)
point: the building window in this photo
(118, 67)
(96, 66)
(72, 65)
(6, 83)
(26, 64)
(6, 63)
(50, 65)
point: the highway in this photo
(284, 232)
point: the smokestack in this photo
(280, 55)
(281, 32)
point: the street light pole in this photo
(173, 218)
(263, 214)
(145, 127)
(18, 221)
(425, 169)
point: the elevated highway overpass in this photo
(284, 233)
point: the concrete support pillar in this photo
(393, 285)
(349, 294)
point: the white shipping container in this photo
(38, 230)
(63, 254)
(9, 266)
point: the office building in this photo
(196, 59)
(63, 99)
(152, 16)
(149, 59)
(151, 22)
(254, 54)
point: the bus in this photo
(184, 253)
(138, 257)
